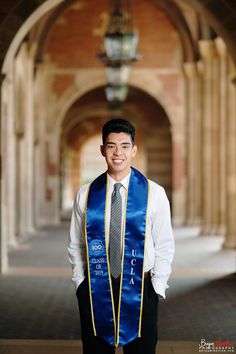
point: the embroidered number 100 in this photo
(96, 247)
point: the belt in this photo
(116, 280)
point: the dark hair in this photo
(118, 126)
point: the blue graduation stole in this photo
(127, 327)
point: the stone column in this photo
(21, 185)
(207, 51)
(10, 160)
(29, 144)
(179, 200)
(43, 209)
(230, 241)
(3, 233)
(24, 129)
(193, 142)
(66, 176)
(52, 177)
(57, 192)
(40, 114)
(47, 185)
(199, 98)
(223, 113)
(216, 104)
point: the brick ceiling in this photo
(70, 35)
(76, 36)
(220, 14)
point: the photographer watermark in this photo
(220, 346)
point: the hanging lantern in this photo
(118, 74)
(116, 93)
(120, 40)
(120, 44)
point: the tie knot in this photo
(117, 187)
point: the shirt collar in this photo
(124, 181)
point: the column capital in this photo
(233, 80)
(6, 79)
(190, 69)
(2, 77)
(220, 47)
(200, 68)
(232, 72)
(207, 49)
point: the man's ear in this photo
(134, 150)
(102, 150)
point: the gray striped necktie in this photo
(115, 231)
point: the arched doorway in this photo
(84, 121)
(169, 81)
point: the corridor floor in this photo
(39, 309)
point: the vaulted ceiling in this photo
(212, 16)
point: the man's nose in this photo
(118, 150)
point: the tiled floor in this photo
(75, 347)
(38, 308)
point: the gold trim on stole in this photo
(88, 267)
(141, 303)
(108, 261)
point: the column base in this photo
(230, 242)
(194, 221)
(214, 230)
(4, 264)
(206, 229)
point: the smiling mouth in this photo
(118, 161)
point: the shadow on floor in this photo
(45, 308)
(37, 297)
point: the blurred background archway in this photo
(182, 99)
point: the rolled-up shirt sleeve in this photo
(76, 246)
(163, 241)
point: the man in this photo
(121, 248)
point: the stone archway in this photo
(25, 14)
(85, 118)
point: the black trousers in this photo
(145, 344)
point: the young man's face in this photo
(118, 152)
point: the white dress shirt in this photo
(159, 245)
